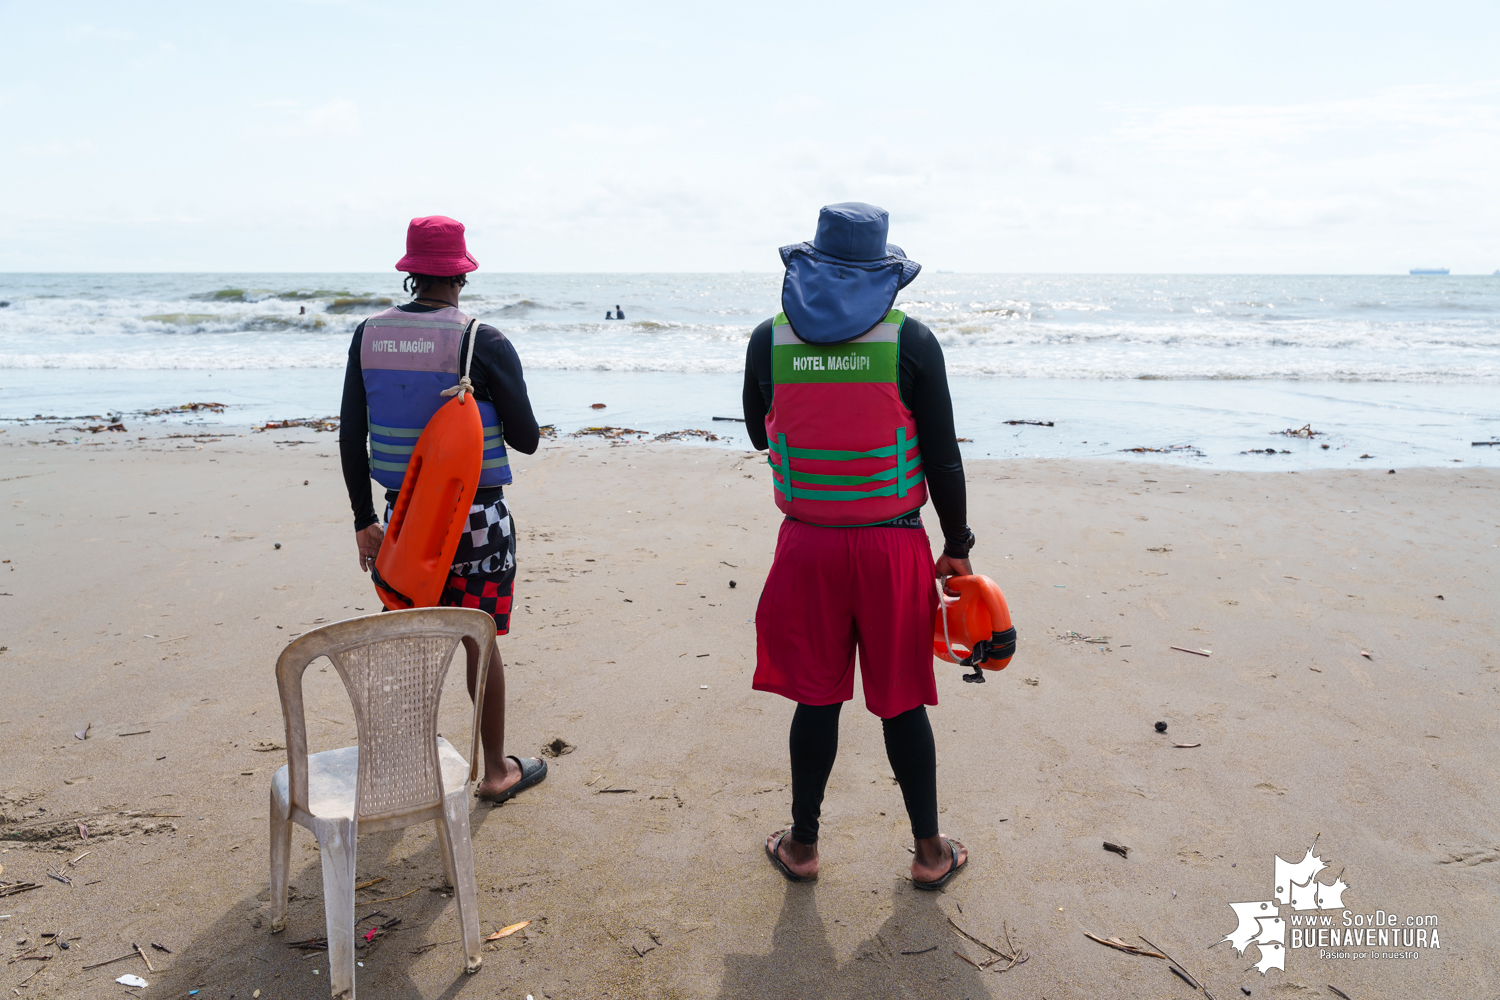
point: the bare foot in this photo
(497, 780)
(800, 858)
(934, 859)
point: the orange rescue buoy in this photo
(973, 629)
(431, 512)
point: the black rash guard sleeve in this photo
(497, 377)
(923, 380)
(354, 427)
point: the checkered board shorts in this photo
(484, 567)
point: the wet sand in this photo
(144, 596)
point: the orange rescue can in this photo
(432, 508)
(974, 628)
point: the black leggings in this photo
(908, 746)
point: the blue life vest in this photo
(407, 360)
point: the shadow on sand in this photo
(237, 954)
(802, 963)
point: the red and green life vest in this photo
(843, 445)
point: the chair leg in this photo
(281, 860)
(456, 834)
(446, 850)
(336, 842)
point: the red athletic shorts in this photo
(832, 589)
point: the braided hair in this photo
(416, 284)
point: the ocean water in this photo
(1404, 369)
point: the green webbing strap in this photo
(388, 466)
(788, 478)
(396, 432)
(495, 463)
(902, 465)
(392, 449)
(781, 450)
(817, 494)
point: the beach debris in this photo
(1116, 943)
(608, 433)
(966, 958)
(920, 951)
(315, 423)
(1032, 682)
(1305, 431)
(965, 440)
(1367, 654)
(1180, 970)
(1480, 444)
(1195, 652)
(83, 835)
(685, 434)
(1440, 597)
(1325, 448)
(1160, 548)
(1098, 640)
(741, 420)
(111, 961)
(161, 948)
(311, 944)
(1016, 956)
(136, 732)
(130, 979)
(547, 431)
(267, 746)
(277, 544)
(1186, 746)
(1265, 451)
(1173, 449)
(507, 930)
(596, 406)
(615, 791)
(732, 585)
(557, 748)
(144, 957)
(1331, 987)
(1367, 456)
(83, 733)
(166, 411)
(1390, 472)
(15, 888)
(61, 877)
(1161, 727)
(365, 885)
(1030, 423)
(1119, 849)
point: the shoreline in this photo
(1206, 424)
(144, 593)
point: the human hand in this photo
(368, 540)
(948, 566)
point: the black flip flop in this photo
(956, 867)
(533, 770)
(773, 851)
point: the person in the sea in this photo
(851, 397)
(388, 399)
(619, 313)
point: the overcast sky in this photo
(1203, 137)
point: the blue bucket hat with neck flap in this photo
(842, 284)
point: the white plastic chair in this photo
(400, 773)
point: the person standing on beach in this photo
(851, 398)
(388, 399)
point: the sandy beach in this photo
(1349, 698)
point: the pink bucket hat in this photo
(435, 246)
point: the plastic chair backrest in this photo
(393, 666)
